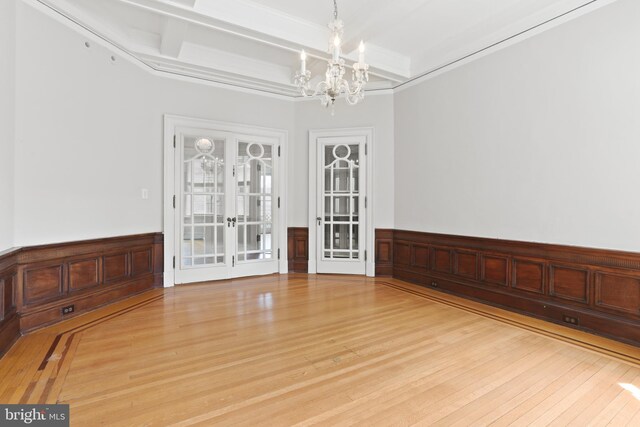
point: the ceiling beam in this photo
(265, 25)
(173, 36)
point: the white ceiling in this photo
(255, 43)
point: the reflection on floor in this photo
(324, 349)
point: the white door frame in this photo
(171, 122)
(367, 133)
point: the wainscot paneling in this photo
(9, 321)
(591, 289)
(384, 252)
(36, 283)
(298, 249)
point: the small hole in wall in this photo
(113, 58)
(87, 44)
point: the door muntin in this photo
(202, 201)
(255, 196)
(341, 196)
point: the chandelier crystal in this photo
(334, 85)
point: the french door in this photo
(225, 205)
(340, 204)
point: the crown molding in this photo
(145, 57)
(507, 40)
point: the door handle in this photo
(233, 220)
(228, 222)
(319, 219)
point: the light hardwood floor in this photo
(329, 350)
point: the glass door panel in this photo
(340, 177)
(341, 173)
(255, 204)
(203, 202)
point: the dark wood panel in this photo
(528, 275)
(7, 284)
(9, 332)
(69, 250)
(3, 297)
(615, 327)
(36, 282)
(300, 245)
(158, 260)
(495, 270)
(115, 267)
(401, 254)
(52, 313)
(9, 321)
(441, 260)
(569, 283)
(141, 261)
(43, 283)
(298, 249)
(599, 288)
(84, 274)
(384, 252)
(618, 292)
(420, 256)
(466, 264)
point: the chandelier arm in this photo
(356, 91)
(321, 88)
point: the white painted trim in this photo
(368, 134)
(52, 9)
(137, 59)
(171, 122)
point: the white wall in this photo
(375, 111)
(7, 121)
(89, 133)
(537, 142)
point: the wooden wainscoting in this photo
(9, 322)
(298, 249)
(38, 282)
(384, 252)
(591, 289)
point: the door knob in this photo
(233, 220)
(319, 219)
(228, 222)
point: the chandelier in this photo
(334, 83)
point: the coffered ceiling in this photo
(256, 43)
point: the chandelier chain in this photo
(335, 9)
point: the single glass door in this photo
(341, 204)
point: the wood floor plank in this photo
(320, 350)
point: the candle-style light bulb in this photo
(336, 48)
(361, 54)
(303, 62)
